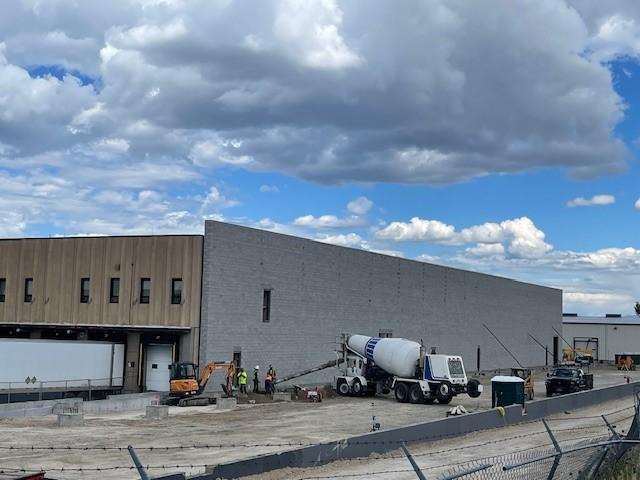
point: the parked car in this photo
(567, 379)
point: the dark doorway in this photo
(555, 350)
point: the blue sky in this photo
(427, 130)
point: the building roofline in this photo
(73, 237)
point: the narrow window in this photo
(28, 290)
(266, 306)
(114, 291)
(176, 291)
(3, 289)
(85, 287)
(145, 290)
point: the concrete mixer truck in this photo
(373, 365)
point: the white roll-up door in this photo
(157, 368)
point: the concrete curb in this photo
(386, 440)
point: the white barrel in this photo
(398, 356)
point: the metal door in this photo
(157, 368)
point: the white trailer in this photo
(59, 364)
(378, 365)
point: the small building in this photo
(139, 295)
(606, 336)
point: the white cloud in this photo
(329, 221)
(589, 202)
(637, 204)
(360, 206)
(486, 249)
(349, 240)
(417, 230)
(232, 85)
(269, 189)
(358, 209)
(520, 235)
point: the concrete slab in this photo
(71, 419)
(281, 397)
(226, 403)
(157, 412)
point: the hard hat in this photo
(257, 367)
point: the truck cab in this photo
(443, 377)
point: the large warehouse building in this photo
(130, 306)
(276, 299)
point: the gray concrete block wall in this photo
(320, 291)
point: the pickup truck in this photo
(567, 379)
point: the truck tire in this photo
(429, 400)
(472, 388)
(415, 394)
(343, 387)
(356, 388)
(402, 392)
(444, 394)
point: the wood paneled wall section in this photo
(57, 265)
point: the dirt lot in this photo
(235, 429)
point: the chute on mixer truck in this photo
(373, 365)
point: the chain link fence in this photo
(614, 456)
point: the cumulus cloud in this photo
(520, 236)
(357, 208)
(304, 88)
(360, 206)
(637, 204)
(589, 202)
(418, 230)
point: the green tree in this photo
(637, 307)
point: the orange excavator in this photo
(186, 387)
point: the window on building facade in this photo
(85, 287)
(28, 290)
(176, 291)
(385, 333)
(3, 289)
(145, 290)
(114, 291)
(266, 306)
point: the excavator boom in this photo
(212, 367)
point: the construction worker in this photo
(242, 381)
(272, 373)
(268, 384)
(256, 380)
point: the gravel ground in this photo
(275, 423)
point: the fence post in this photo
(556, 459)
(9, 394)
(138, 464)
(415, 466)
(89, 380)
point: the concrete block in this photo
(70, 420)
(226, 403)
(281, 396)
(157, 412)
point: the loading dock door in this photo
(157, 367)
(587, 342)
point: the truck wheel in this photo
(356, 388)
(343, 387)
(472, 388)
(402, 392)
(429, 401)
(444, 394)
(415, 394)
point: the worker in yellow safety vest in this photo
(242, 381)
